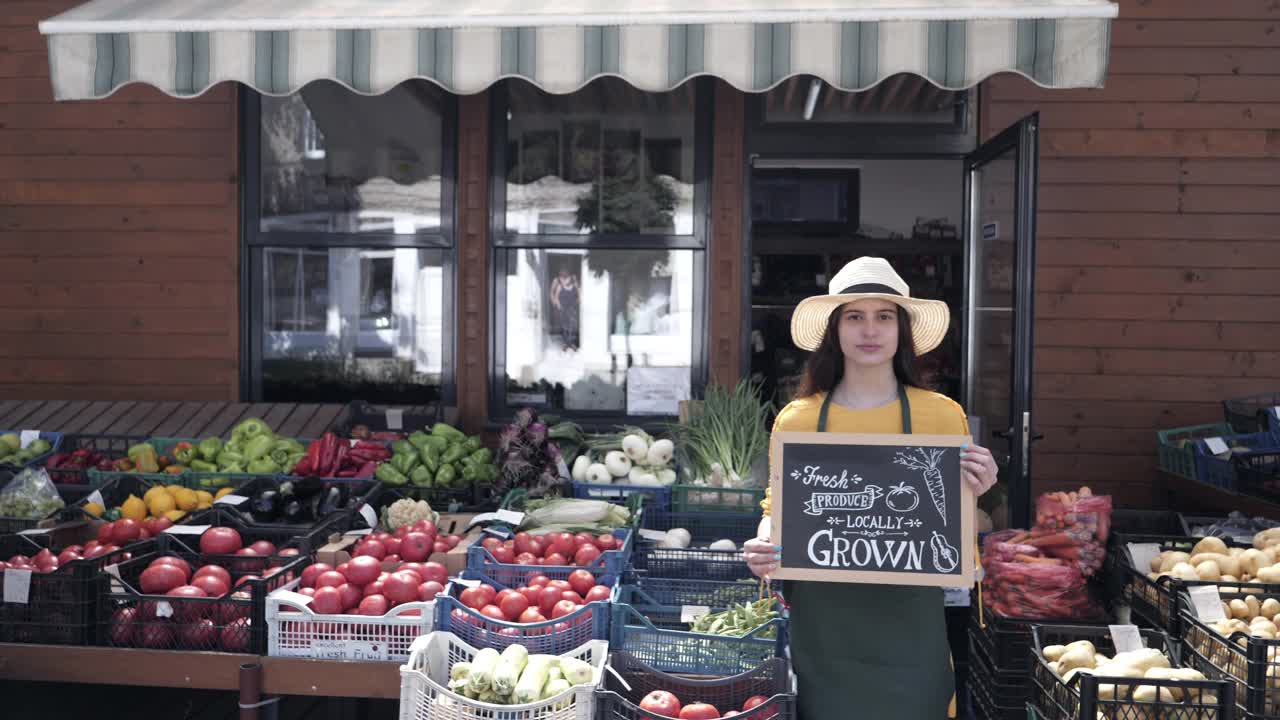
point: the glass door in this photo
(1000, 214)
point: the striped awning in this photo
(184, 47)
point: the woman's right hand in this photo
(762, 556)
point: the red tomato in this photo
(402, 531)
(504, 555)
(598, 593)
(289, 552)
(661, 702)
(562, 543)
(583, 538)
(309, 592)
(88, 546)
(67, 556)
(145, 534)
(572, 597)
(187, 611)
(525, 558)
(537, 547)
(503, 594)
(426, 526)
(547, 600)
(513, 606)
(375, 605)
(160, 524)
(522, 540)
(428, 590)
(155, 635)
(177, 562)
(106, 532)
(351, 595)
(607, 542)
(244, 579)
(264, 548)
(414, 572)
(401, 587)
(220, 541)
(372, 548)
(539, 580)
(699, 711)
(216, 571)
(416, 547)
(123, 626)
(414, 566)
(562, 608)
(235, 636)
(489, 592)
(559, 584)
(582, 581)
(362, 570)
(329, 578)
(211, 584)
(160, 579)
(380, 536)
(126, 531)
(392, 559)
(373, 588)
(490, 543)
(392, 544)
(493, 612)
(453, 540)
(556, 560)
(532, 594)
(327, 600)
(586, 555)
(531, 616)
(753, 701)
(435, 571)
(439, 546)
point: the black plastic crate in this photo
(348, 496)
(996, 695)
(61, 605)
(618, 701)
(1080, 699)
(382, 495)
(1145, 522)
(1238, 526)
(129, 618)
(1253, 663)
(113, 446)
(1249, 414)
(1007, 641)
(305, 539)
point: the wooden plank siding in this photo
(1157, 237)
(119, 237)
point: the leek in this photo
(729, 433)
(533, 679)
(507, 673)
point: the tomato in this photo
(401, 587)
(539, 580)
(503, 594)
(123, 626)
(106, 532)
(160, 524)
(514, 605)
(562, 608)
(428, 590)
(598, 593)
(490, 543)
(177, 562)
(607, 542)
(562, 543)
(392, 544)
(504, 555)
(309, 592)
(582, 539)
(289, 552)
(548, 599)
(559, 584)
(427, 527)
(586, 555)
(581, 581)
(157, 635)
(215, 570)
(556, 560)
(453, 540)
(661, 702)
(532, 594)
(362, 570)
(572, 597)
(264, 548)
(435, 571)
(522, 541)
(375, 605)
(235, 636)
(493, 612)
(489, 592)
(328, 578)
(525, 558)
(373, 588)
(531, 616)
(327, 600)
(199, 635)
(211, 584)
(537, 548)
(220, 541)
(351, 595)
(753, 701)
(439, 546)
(415, 547)
(67, 556)
(699, 711)
(159, 579)
(372, 548)
(125, 531)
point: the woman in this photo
(861, 650)
(564, 301)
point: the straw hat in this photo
(869, 277)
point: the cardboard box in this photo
(338, 550)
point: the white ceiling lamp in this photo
(811, 102)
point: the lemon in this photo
(152, 492)
(204, 496)
(223, 491)
(94, 509)
(161, 504)
(204, 506)
(187, 499)
(173, 489)
(175, 515)
(133, 508)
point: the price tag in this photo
(17, 586)
(230, 499)
(1126, 638)
(359, 533)
(1207, 603)
(1216, 446)
(369, 515)
(36, 531)
(348, 650)
(291, 596)
(395, 419)
(96, 497)
(511, 517)
(955, 597)
(499, 532)
(164, 609)
(655, 535)
(187, 529)
(1142, 555)
(689, 613)
(113, 570)
(467, 583)
(562, 468)
(28, 436)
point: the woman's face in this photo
(869, 331)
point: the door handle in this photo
(1003, 434)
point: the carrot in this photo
(1058, 538)
(1041, 560)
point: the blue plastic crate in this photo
(695, 562)
(1260, 464)
(706, 527)
(610, 563)
(656, 635)
(656, 497)
(53, 438)
(552, 637)
(649, 591)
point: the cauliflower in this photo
(406, 512)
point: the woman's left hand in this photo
(979, 468)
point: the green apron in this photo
(869, 652)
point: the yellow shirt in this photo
(931, 414)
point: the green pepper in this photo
(185, 452)
(421, 476)
(246, 430)
(470, 474)
(282, 450)
(293, 461)
(209, 448)
(418, 438)
(39, 446)
(136, 450)
(257, 446)
(488, 473)
(227, 457)
(391, 476)
(263, 466)
(203, 466)
(111, 514)
(235, 467)
(445, 476)
(483, 455)
(448, 431)
(143, 456)
(401, 447)
(429, 457)
(472, 444)
(404, 463)
(454, 454)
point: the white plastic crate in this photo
(424, 680)
(294, 630)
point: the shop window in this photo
(349, 245)
(600, 278)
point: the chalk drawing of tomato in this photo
(902, 498)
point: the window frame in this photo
(502, 242)
(254, 241)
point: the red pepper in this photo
(347, 474)
(366, 445)
(340, 456)
(367, 470)
(313, 460)
(325, 458)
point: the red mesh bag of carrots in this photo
(1073, 527)
(997, 546)
(1042, 589)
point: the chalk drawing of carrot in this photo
(927, 462)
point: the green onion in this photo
(729, 431)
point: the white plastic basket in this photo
(294, 630)
(424, 693)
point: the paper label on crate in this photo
(369, 514)
(955, 597)
(186, 529)
(689, 613)
(164, 609)
(113, 570)
(1216, 445)
(291, 596)
(26, 437)
(17, 585)
(467, 583)
(655, 535)
(96, 497)
(349, 650)
(230, 499)
(562, 468)
(359, 533)
(36, 531)
(395, 419)
(1143, 554)
(1207, 603)
(1126, 638)
(510, 517)
(499, 532)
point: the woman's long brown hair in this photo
(825, 366)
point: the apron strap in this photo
(902, 402)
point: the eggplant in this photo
(330, 501)
(293, 512)
(265, 506)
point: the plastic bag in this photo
(30, 495)
(1081, 511)
(1043, 590)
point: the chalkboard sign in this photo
(872, 509)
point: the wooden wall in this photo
(1159, 260)
(119, 255)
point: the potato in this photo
(1077, 657)
(1053, 652)
(1198, 558)
(1184, 571)
(1270, 574)
(1264, 625)
(1267, 538)
(1254, 606)
(1053, 668)
(1210, 545)
(1251, 560)
(1208, 570)
(1239, 609)
(1171, 559)
(1270, 607)
(1163, 673)
(1235, 551)
(1066, 678)
(1228, 564)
